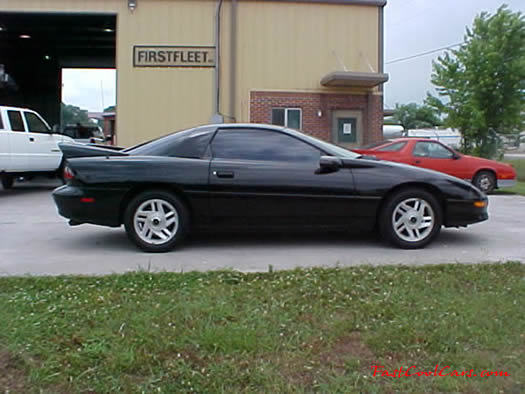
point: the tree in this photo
(72, 114)
(483, 82)
(413, 116)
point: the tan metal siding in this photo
(281, 46)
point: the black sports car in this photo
(247, 176)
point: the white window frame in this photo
(286, 109)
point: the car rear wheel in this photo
(7, 181)
(411, 219)
(156, 221)
(485, 181)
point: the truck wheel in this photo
(156, 221)
(7, 181)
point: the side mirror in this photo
(456, 156)
(330, 163)
(56, 129)
(108, 138)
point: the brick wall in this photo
(261, 104)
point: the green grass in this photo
(519, 165)
(289, 331)
(519, 188)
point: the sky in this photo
(83, 88)
(412, 27)
(417, 26)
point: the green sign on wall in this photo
(347, 130)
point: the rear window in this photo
(396, 147)
(190, 143)
(15, 118)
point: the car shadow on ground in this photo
(115, 240)
(28, 187)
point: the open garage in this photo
(316, 66)
(36, 46)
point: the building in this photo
(316, 65)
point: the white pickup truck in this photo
(28, 146)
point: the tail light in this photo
(68, 173)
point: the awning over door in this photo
(353, 79)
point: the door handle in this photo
(418, 162)
(31, 139)
(223, 174)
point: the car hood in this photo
(487, 162)
(416, 174)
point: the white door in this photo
(44, 154)
(5, 148)
(19, 141)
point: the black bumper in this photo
(102, 207)
(460, 213)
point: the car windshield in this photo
(375, 144)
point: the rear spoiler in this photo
(71, 151)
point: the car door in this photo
(44, 154)
(19, 141)
(263, 177)
(435, 156)
(5, 145)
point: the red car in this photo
(487, 175)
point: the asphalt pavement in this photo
(35, 240)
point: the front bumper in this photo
(461, 213)
(89, 205)
(506, 182)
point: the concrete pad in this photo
(35, 240)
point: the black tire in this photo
(485, 181)
(156, 223)
(411, 231)
(7, 181)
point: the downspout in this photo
(233, 59)
(216, 116)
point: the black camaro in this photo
(247, 176)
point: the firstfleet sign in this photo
(173, 56)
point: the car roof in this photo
(245, 125)
(15, 108)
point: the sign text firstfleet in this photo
(173, 56)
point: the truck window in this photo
(35, 124)
(15, 118)
(1, 122)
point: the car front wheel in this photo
(485, 181)
(156, 221)
(411, 219)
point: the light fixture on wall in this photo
(132, 4)
(319, 113)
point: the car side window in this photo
(262, 145)
(395, 147)
(35, 124)
(432, 150)
(15, 118)
(190, 144)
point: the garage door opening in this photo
(88, 97)
(36, 47)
